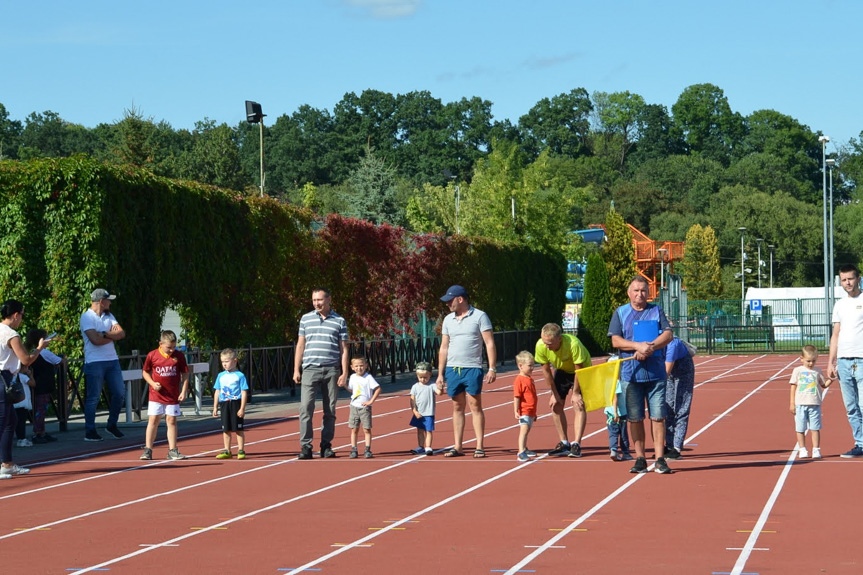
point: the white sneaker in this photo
(7, 472)
(802, 452)
(24, 443)
(816, 453)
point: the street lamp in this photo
(449, 175)
(254, 115)
(824, 140)
(759, 240)
(831, 261)
(742, 231)
(772, 247)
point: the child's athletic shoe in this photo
(25, 443)
(624, 456)
(418, 451)
(368, 454)
(530, 453)
(522, 457)
(354, 453)
(175, 454)
(223, 455)
(614, 455)
(816, 453)
(561, 449)
(147, 455)
(241, 454)
(802, 452)
(429, 451)
(575, 450)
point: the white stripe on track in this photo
(566, 531)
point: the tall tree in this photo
(10, 133)
(702, 272)
(619, 256)
(374, 191)
(709, 127)
(214, 157)
(560, 125)
(597, 307)
(620, 116)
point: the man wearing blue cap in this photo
(460, 364)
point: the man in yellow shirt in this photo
(565, 353)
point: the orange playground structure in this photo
(653, 260)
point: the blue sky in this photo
(184, 60)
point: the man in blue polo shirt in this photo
(322, 352)
(463, 334)
(640, 329)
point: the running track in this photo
(739, 502)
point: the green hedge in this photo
(239, 269)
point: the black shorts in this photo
(563, 382)
(230, 420)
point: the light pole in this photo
(661, 268)
(759, 240)
(824, 140)
(772, 247)
(742, 231)
(254, 115)
(831, 163)
(454, 178)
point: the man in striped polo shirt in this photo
(322, 352)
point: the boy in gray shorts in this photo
(364, 391)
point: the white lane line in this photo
(179, 489)
(539, 551)
(749, 546)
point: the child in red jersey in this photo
(164, 371)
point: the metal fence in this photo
(272, 368)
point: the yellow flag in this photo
(598, 384)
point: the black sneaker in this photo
(305, 453)
(49, 437)
(92, 435)
(39, 439)
(114, 432)
(672, 453)
(856, 451)
(640, 465)
(661, 466)
(327, 452)
(561, 449)
(575, 450)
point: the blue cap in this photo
(454, 292)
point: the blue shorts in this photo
(461, 379)
(638, 392)
(426, 423)
(807, 417)
(526, 420)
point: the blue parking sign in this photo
(755, 304)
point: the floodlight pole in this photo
(824, 140)
(261, 123)
(772, 247)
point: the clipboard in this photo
(646, 330)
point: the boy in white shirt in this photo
(364, 391)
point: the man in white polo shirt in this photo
(100, 330)
(846, 353)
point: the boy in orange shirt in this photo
(524, 402)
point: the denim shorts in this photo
(461, 379)
(807, 417)
(526, 420)
(638, 392)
